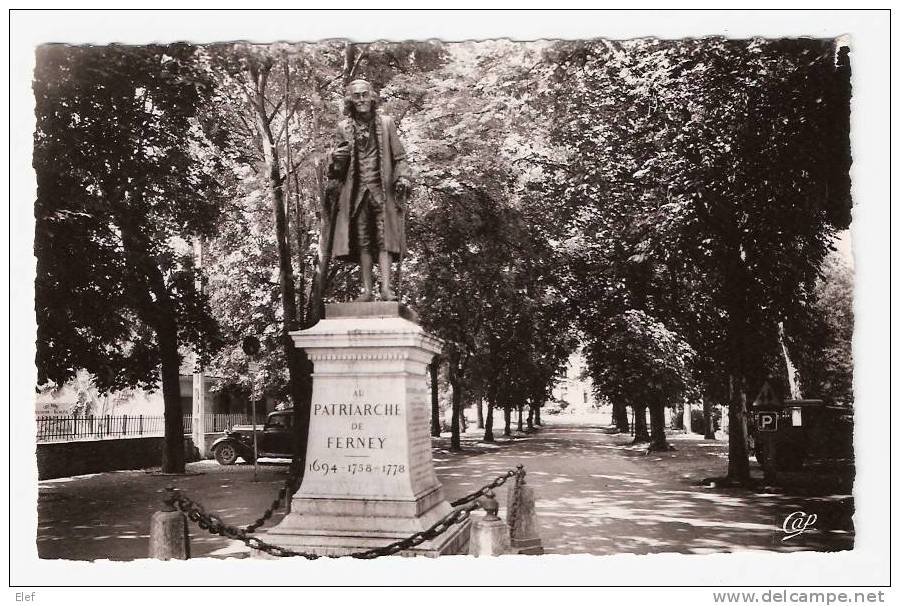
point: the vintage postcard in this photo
(476, 300)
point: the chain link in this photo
(498, 482)
(212, 523)
(215, 525)
(438, 528)
(291, 484)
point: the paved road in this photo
(595, 494)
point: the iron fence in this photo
(215, 422)
(91, 427)
(100, 427)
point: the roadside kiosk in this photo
(783, 430)
(788, 433)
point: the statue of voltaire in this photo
(368, 165)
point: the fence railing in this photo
(216, 421)
(90, 427)
(99, 427)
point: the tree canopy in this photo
(126, 178)
(667, 204)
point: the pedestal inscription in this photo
(369, 477)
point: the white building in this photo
(574, 387)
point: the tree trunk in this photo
(435, 407)
(507, 419)
(301, 230)
(299, 368)
(480, 412)
(620, 417)
(658, 442)
(173, 451)
(456, 399)
(302, 407)
(519, 427)
(489, 423)
(739, 334)
(641, 435)
(709, 432)
(530, 420)
(158, 311)
(738, 457)
(352, 57)
(537, 415)
(454, 420)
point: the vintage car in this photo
(274, 439)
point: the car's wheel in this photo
(226, 454)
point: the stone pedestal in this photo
(489, 537)
(169, 536)
(369, 477)
(523, 524)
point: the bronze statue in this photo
(369, 166)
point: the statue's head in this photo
(360, 98)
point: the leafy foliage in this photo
(125, 178)
(637, 360)
(482, 269)
(822, 344)
(672, 202)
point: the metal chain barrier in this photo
(287, 491)
(215, 525)
(500, 481)
(290, 486)
(438, 528)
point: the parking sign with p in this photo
(767, 421)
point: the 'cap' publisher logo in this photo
(797, 523)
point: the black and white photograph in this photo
(292, 302)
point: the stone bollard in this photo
(169, 532)
(489, 535)
(521, 517)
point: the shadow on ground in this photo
(107, 516)
(595, 494)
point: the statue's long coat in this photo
(392, 166)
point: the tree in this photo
(481, 266)
(822, 343)
(125, 178)
(454, 282)
(279, 105)
(637, 360)
(757, 206)
(706, 179)
(250, 69)
(433, 371)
